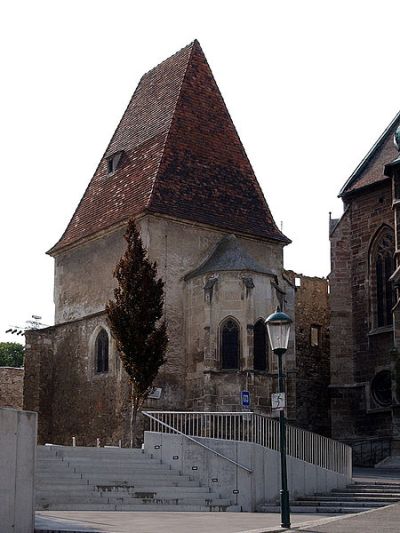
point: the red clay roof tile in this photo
(182, 157)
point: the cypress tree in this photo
(135, 321)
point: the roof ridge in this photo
(190, 45)
(362, 165)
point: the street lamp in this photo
(278, 326)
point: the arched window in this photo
(260, 345)
(230, 342)
(381, 388)
(381, 268)
(101, 351)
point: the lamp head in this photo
(278, 326)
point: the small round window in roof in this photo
(381, 388)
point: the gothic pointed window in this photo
(260, 348)
(381, 268)
(101, 352)
(230, 342)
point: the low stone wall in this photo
(11, 387)
(18, 430)
(246, 490)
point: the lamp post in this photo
(278, 326)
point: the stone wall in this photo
(60, 383)
(11, 387)
(208, 385)
(312, 353)
(358, 349)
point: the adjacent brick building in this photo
(176, 164)
(364, 341)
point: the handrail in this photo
(147, 413)
(258, 429)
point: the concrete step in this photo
(159, 491)
(370, 490)
(98, 479)
(309, 509)
(120, 489)
(124, 476)
(66, 466)
(97, 498)
(330, 503)
(375, 484)
(107, 453)
(149, 507)
(95, 460)
(55, 484)
(351, 497)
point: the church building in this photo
(176, 164)
(365, 311)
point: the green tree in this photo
(11, 354)
(134, 316)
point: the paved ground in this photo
(384, 520)
(142, 522)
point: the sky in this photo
(310, 86)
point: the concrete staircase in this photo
(355, 498)
(114, 479)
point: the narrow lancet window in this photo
(101, 350)
(260, 346)
(230, 345)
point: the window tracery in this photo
(381, 268)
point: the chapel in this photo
(364, 303)
(176, 164)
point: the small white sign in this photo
(278, 401)
(155, 393)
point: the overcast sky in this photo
(310, 86)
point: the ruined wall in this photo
(358, 351)
(312, 353)
(62, 386)
(11, 387)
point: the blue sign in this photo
(245, 398)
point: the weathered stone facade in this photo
(362, 299)
(11, 387)
(206, 224)
(312, 315)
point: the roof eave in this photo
(365, 161)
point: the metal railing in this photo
(370, 451)
(250, 427)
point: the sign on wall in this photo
(245, 398)
(155, 393)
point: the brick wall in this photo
(11, 387)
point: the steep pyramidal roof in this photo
(181, 157)
(371, 168)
